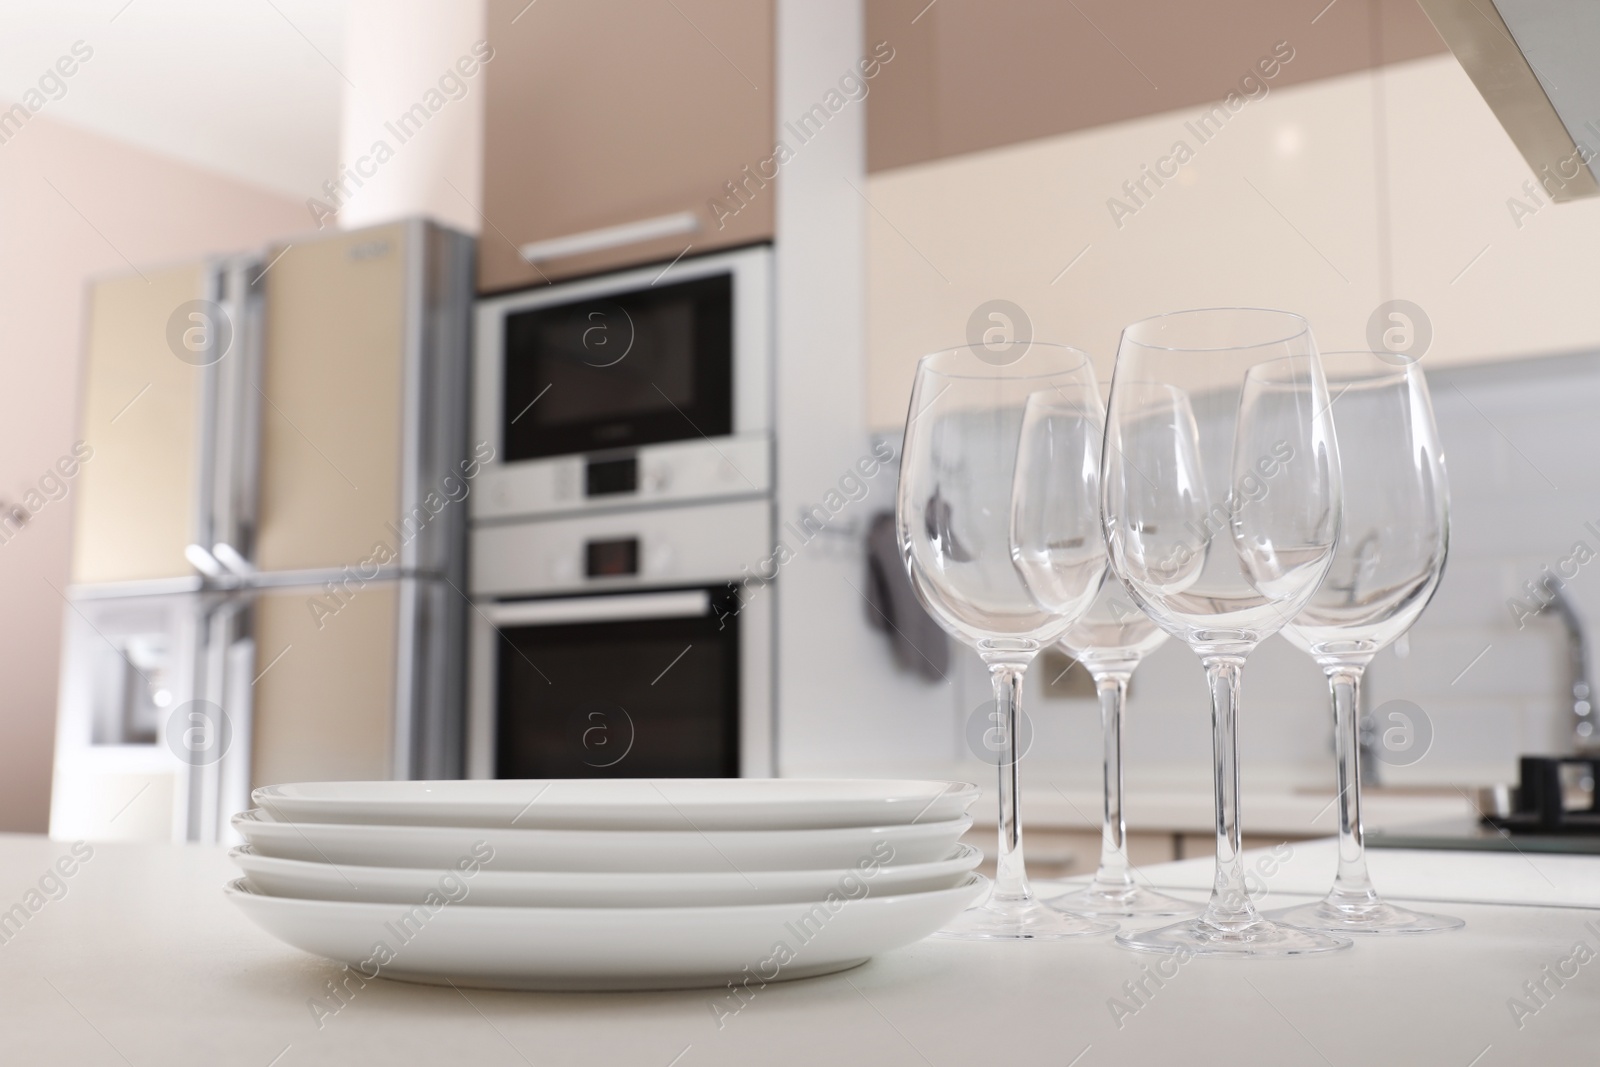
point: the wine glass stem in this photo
(1230, 905)
(1011, 878)
(1351, 886)
(1112, 686)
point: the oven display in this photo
(620, 371)
(611, 559)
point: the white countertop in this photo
(1278, 812)
(143, 962)
(1306, 868)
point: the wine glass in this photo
(954, 517)
(1221, 501)
(1391, 553)
(1109, 641)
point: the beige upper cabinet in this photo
(608, 113)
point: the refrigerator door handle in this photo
(216, 332)
(230, 557)
(212, 741)
(203, 561)
(233, 764)
(232, 532)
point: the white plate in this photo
(576, 889)
(439, 847)
(624, 803)
(604, 948)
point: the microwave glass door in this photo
(618, 371)
(630, 698)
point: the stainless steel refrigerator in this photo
(268, 565)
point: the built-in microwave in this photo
(647, 386)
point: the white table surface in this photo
(1309, 813)
(1305, 868)
(143, 962)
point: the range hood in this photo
(1535, 63)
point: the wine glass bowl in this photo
(1396, 529)
(1284, 547)
(1055, 538)
(1221, 502)
(1222, 541)
(1113, 633)
(955, 507)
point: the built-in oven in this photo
(622, 644)
(643, 685)
(647, 386)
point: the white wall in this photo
(399, 54)
(249, 91)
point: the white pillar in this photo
(842, 706)
(411, 141)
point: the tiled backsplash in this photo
(1522, 442)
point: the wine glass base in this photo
(1377, 917)
(1131, 902)
(1263, 937)
(1021, 921)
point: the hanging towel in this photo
(892, 606)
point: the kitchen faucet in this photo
(1585, 737)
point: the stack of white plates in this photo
(605, 884)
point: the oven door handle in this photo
(684, 604)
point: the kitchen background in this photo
(947, 168)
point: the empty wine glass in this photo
(1391, 553)
(1109, 641)
(954, 518)
(1221, 494)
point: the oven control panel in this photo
(707, 543)
(704, 469)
